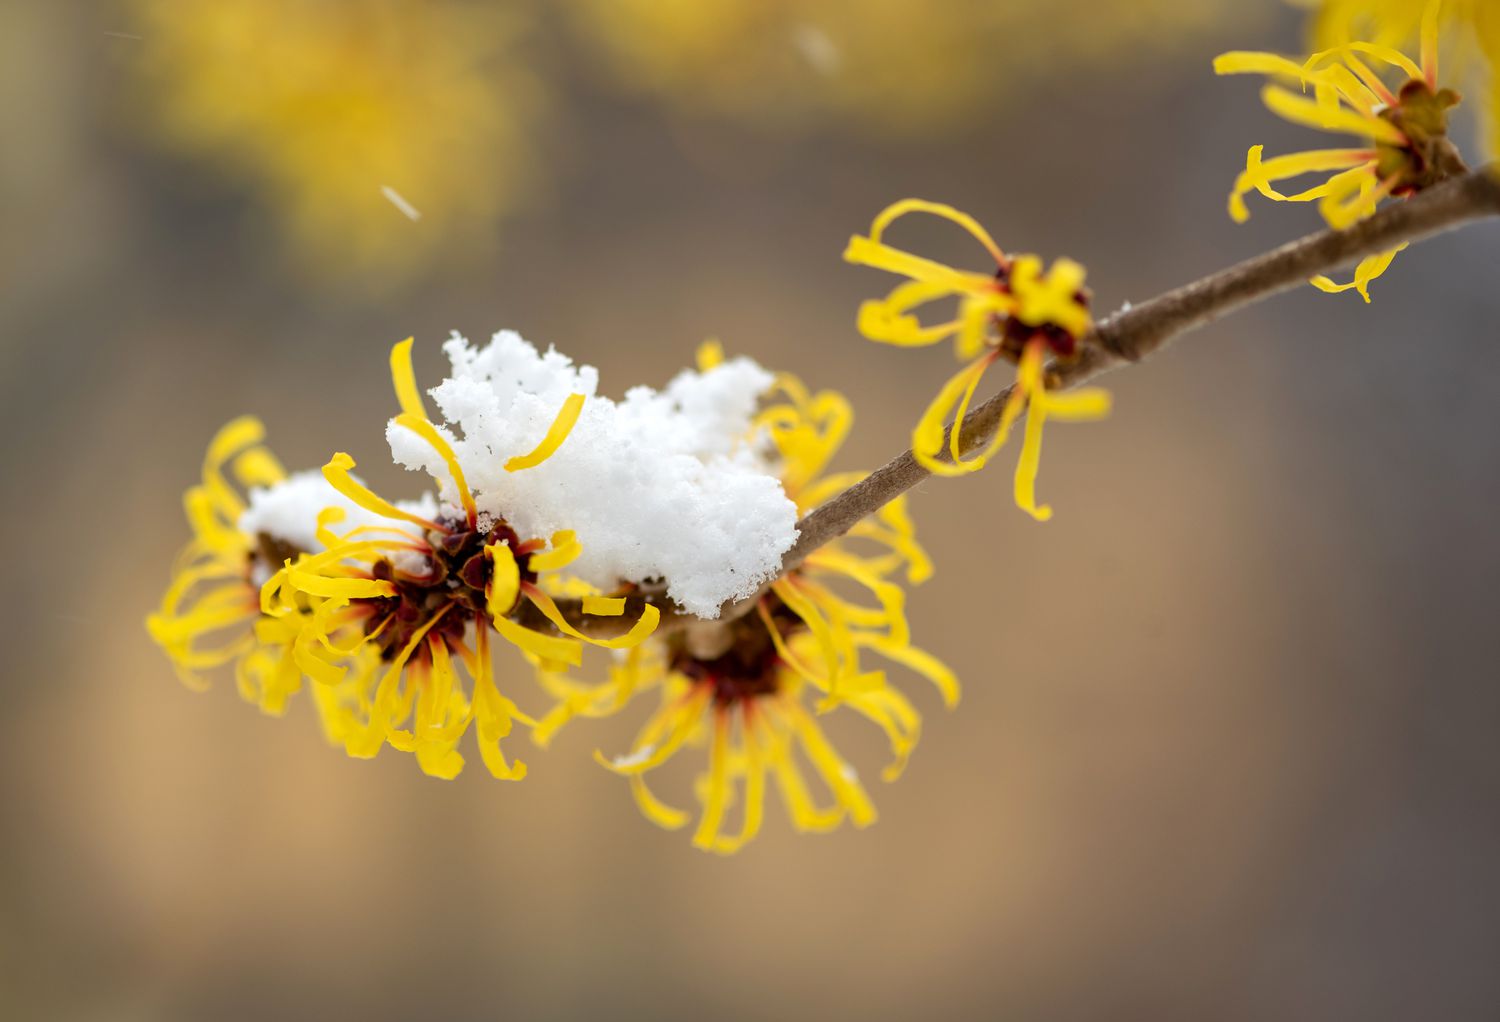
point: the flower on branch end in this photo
(1404, 130)
(1022, 312)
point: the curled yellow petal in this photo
(505, 580)
(901, 208)
(1368, 269)
(565, 550)
(547, 647)
(755, 790)
(429, 433)
(639, 632)
(920, 661)
(863, 251)
(927, 437)
(561, 426)
(258, 467)
(316, 584)
(494, 714)
(890, 321)
(405, 380)
(337, 474)
(706, 836)
(1080, 406)
(841, 780)
(1258, 174)
(650, 750)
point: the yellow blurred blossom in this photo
(1405, 130)
(1017, 312)
(380, 132)
(882, 66)
(210, 615)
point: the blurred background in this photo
(1227, 744)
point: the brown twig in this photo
(1134, 333)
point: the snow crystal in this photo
(661, 485)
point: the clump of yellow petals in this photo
(1471, 36)
(749, 689)
(211, 591)
(210, 614)
(1404, 130)
(1022, 312)
(382, 133)
(424, 594)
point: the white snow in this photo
(288, 510)
(659, 485)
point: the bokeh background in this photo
(1227, 745)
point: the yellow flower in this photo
(424, 594)
(352, 119)
(748, 688)
(1017, 312)
(210, 615)
(1473, 38)
(1405, 130)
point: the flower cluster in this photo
(661, 527)
(1020, 312)
(389, 610)
(1404, 128)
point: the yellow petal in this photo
(710, 355)
(639, 632)
(1368, 269)
(707, 833)
(565, 550)
(1309, 114)
(1241, 62)
(428, 432)
(561, 426)
(337, 474)
(405, 380)
(927, 437)
(505, 580)
(548, 647)
(896, 210)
